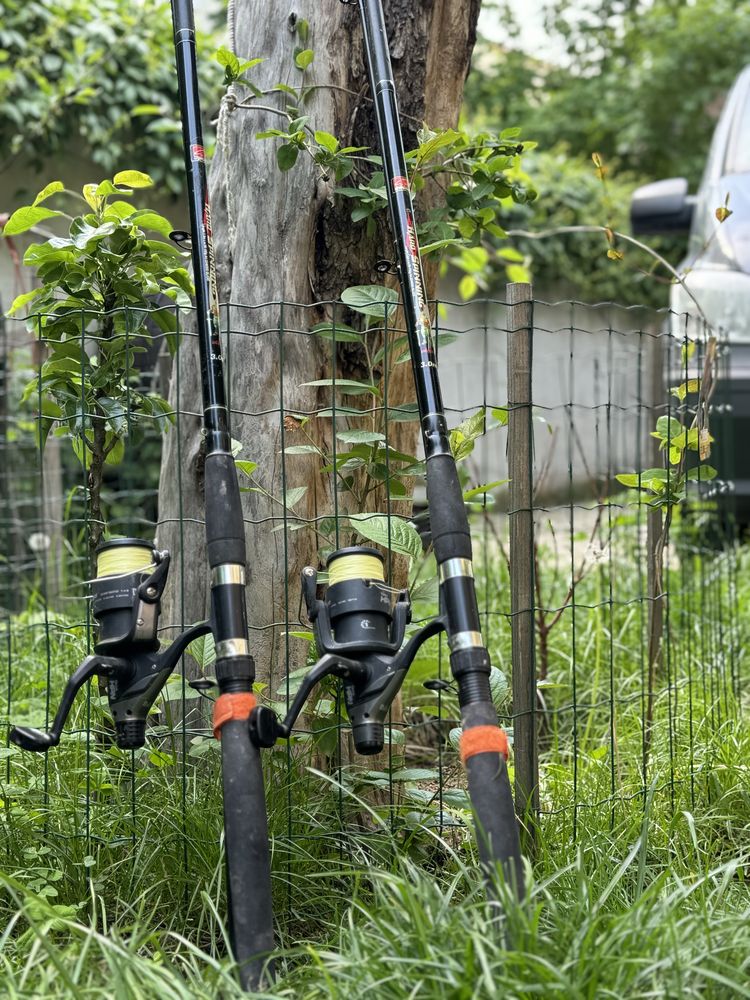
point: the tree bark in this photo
(284, 236)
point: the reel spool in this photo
(359, 609)
(130, 578)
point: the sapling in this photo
(100, 284)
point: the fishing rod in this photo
(357, 628)
(131, 575)
(484, 745)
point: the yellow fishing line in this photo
(354, 567)
(122, 559)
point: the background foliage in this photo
(94, 79)
(642, 85)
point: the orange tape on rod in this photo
(483, 739)
(232, 706)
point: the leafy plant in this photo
(668, 486)
(477, 173)
(360, 460)
(99, 283)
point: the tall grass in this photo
(111, 862)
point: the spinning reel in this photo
(360, 633)
(130, 580)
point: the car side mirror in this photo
(662, 207)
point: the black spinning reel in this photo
(131, 576)
(360, 633)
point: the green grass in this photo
(111, 863)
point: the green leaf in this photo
(115, 413)
(107, 188)
(360, 437)
(133, 179)
(414, 774)
(467, 287)
(22, 300)
(462, 438)
(52, 188)
(286, 155)
(499, 687)
(473, 259)
(302, 449)
(338, 332)
(327, 141)
(120, 209)
(25, 218)
(687, 351)
(371, 300)
(392, 533)
(404, 413)
(304, 59)
(681, 391)
(480, 490)
(511, 255)
(248, 468)
(293, 496)
(87, 234)
(667, 427)
(117, 453)
(348, 386)
(702, 473)
(203, 650)
(439, 245)
(517, 273)
(146, 219)
(436, 142)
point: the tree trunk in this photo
(284, 236)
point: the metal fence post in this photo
(521, 518)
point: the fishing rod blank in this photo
(483, 742)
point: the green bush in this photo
(97, 79)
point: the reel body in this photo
(359, 630)
(126, 594)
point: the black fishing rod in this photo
(358, 629)
(483, 742)
(131, 575)
(245, 821)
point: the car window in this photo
(738, 148)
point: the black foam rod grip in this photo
(449, 523)
(225, 530)
(492, 802)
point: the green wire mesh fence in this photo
(635, 653)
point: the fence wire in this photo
(638, 656)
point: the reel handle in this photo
(39, 740)
(134, 683)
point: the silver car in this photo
(716, 268)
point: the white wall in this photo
(591, 386)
